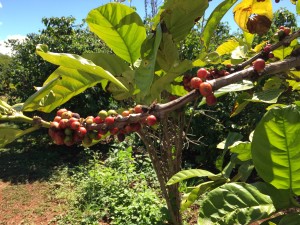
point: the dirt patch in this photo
(30, 203)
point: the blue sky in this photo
(21, 17)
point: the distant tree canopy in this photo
(28, 70)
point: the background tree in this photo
(27, 70)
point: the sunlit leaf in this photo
(227, 47)
(281, 198)
(275, 148)
(167, 54)
(144, 75)
(248, 38)
(213, 21)
(164, 81)
(212, 58)
(267, 96)
(298, 7)
(234, 203)
(120, 27)
(76, 62)
(63, 84)
(284, 51)
(5, 108)
(109, 62)
(187, 174)
(179, 16)
(242, 149)
(231, 138)
(239, 52)
(294, 84)
(191, 197)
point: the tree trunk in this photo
(164, 146)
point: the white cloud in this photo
(7, 50)
(1, 5)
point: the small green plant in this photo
(115, 191)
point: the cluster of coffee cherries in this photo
(68, 128)
(199, 82)
(282, 32)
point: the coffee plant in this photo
(258, 180)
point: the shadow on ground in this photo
(26, 162)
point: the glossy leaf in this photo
(234, 203)
(9, 134)
(283, 51)
(248, 38)
(239, 86)
(290, 219)
(242, 149)
(192, 196)
(227, 47)
(275, 148)
(5, 108)
(187, 174)
(179, 16)
(281, 198)
(120, 27)
(214, 19)
(161, 83)
(63, 84)
(231, 138)
(109, 62)
(267, 96)
(144, 75)
(77, 63)
(167, 54)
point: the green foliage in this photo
(112, 23)
(28, 70)
(115, 191)
(213, 21)
(275, 148)
(234, 203)
(75, 74)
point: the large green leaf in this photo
(214, 19)
(179, 16)
(267, 96)
(275, 148)
(227, 47)
(120, 27)
(281, 198)
(5, 108)
(9, 134)
(163, 82)
(109, 62)
(187, 174)
(76, 62)
(290, 219)
(63, 84)
(234, 203)
(231, 138)
(191, 197)
(242, 149)
(145, 73)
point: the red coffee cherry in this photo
(205, 89)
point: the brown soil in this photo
(29, 204)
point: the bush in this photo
(115, 191)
